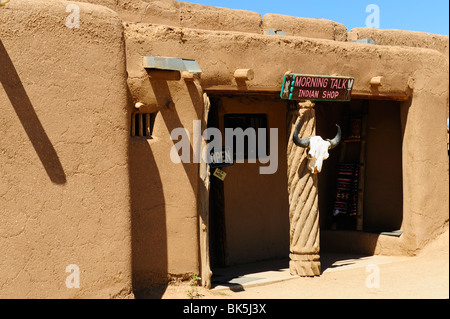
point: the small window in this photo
(142, 124)
(245, 121)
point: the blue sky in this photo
(414, 15)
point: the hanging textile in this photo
(346, 201)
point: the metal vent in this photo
(274, 32)
(367, 41)
(173, 64)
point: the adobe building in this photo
(93, 206)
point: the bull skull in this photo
(317, 148)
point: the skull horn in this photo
(336, 140)
(301, 142)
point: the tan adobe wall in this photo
(184, 14)
(64, 187)
(196, 16)
(164, 194)
(402, 38)
(306, 27)
(423, 161)
(271, 56)
(76, 189)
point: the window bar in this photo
(140, 125)
(133, 125)
(147, 124)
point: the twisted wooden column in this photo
(303, 198)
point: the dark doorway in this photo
(249, 211)
(361, 187)
(217, 242)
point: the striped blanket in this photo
(346, 201)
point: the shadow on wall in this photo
(150, 271)
(10, 80)
(172, 120)
(148, 222)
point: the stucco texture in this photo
(406, 71)
(75, 188)
(64, 193)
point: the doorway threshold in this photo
(238, 277)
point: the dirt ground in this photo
(425, 276)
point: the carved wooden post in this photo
(303, 198)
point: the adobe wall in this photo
(402, 38)
(425, 187)
(77, 190)
(184, 14)
(163, 194)
(306, 27)
(216, 53)
(191, 15)
(64, 187)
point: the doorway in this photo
(361, 185)
(249, 211)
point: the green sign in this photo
(317, 87)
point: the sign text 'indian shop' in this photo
(317, 87)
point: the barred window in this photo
(142, 124)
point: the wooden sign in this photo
(317, 87)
